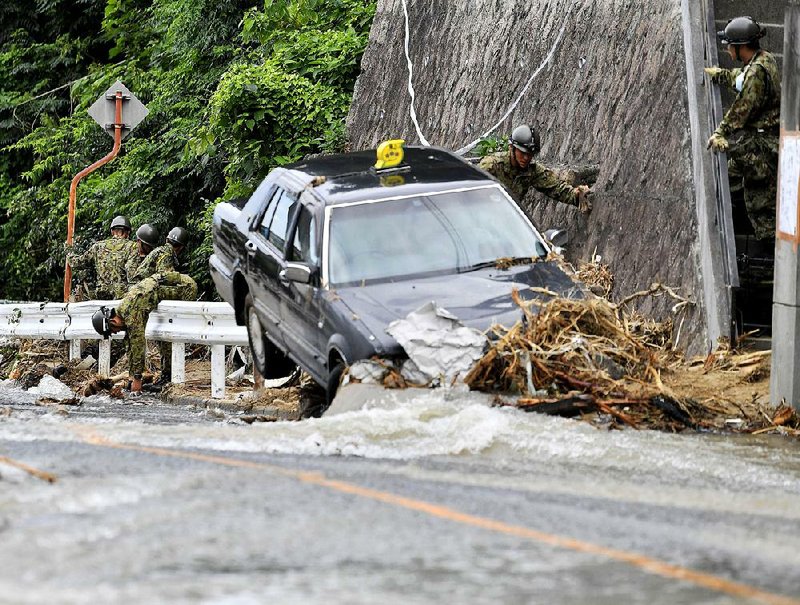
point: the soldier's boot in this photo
(163, 380)
(165, 349)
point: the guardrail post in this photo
(178, 362)
(74, 349)
(218, 371)
(104, 363)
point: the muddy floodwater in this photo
(325, 510)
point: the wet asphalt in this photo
(157, 503)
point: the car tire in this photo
(334, 378)
(316, 401)
(270, 361)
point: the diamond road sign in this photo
(104, 110)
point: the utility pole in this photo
(785, 375)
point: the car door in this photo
(265, 249)
(303, 326)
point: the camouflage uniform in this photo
(160, 260)
(752, 126)
(517, 180)
(140, 300)
(109, 259)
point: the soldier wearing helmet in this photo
(107, 259)
(749, 132)
(146, 242)
(132, 313)
(518, 172)
(162, 260)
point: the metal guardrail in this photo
(177, 322)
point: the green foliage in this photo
(490, 144)
(234, 87)
(264, 116)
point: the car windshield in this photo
(436, 233)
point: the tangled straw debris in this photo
(572, 356)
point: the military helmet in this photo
(525, 139)
(100, 321)
(121, 222)
(178, 236)
(742, 30)
(148, 235)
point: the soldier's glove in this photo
(718, 143)
(584, 198)
(714, 73)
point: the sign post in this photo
(108, 112)
(785, 375)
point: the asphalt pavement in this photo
(440, 501)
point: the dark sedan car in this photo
(329, 251)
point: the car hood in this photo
(478, 298)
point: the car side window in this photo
(263, 226)
(304, 248)
(280, 220)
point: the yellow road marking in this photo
(649, 564)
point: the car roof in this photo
(351, 177)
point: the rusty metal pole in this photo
(73, 188)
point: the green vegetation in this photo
(490, 144)
(234, 88)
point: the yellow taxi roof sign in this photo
(390, 154)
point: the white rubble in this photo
(438, 344)
(52, 387)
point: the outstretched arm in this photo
(548, 182)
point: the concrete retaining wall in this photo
(615, 95)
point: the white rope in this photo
(411, 111)
(544, 63)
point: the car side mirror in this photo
(557, 237)
(296, 272)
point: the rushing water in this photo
(429, 440)
(465, 429)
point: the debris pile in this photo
(597, 276)
(577, 357)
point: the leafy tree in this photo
(234, 87)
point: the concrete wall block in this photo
(613, 95)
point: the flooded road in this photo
(437, 501)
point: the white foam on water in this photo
(429, 426)
(432, 424)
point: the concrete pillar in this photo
(218, 371)
(178, 362)
(785, 376)
(104, 361)
(74, 349)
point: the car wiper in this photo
(503, 262)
